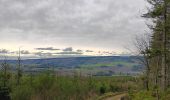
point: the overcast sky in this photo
(107, 25)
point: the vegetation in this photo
(155, 51)
(47, 86)
(153, 84)
(159, 48)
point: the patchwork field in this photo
(96, 66)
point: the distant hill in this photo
(100, 65)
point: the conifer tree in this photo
(159, 13)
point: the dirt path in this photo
(117, 97)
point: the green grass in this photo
(113, 64)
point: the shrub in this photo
(143, 95)
(22, 93)
(102, 89)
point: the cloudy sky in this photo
(48, 27)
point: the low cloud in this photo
(89, 51)
(25, 52)
(69, 49)
(79, 50)
(48, 54)
(47, 48)
(4, 51)
(43, 54)
(70, 53)
(38, 53)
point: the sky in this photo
(52, 28)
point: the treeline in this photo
(156, 48)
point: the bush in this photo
(22, 93)
(103, 89)
(142, 95)
(114, 88)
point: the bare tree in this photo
(19, 71)
(142, 44)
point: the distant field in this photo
(97, 66)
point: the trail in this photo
(116, 97)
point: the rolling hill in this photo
(98, 65)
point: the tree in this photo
(142, 43)
(159, 13)
(19, 71)
(5, 72)
(5, 76)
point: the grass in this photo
(113, 64)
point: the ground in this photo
(116, 97)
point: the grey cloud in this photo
(41, 54)
(70, 53)
(69, 49)
(4, 51)
(25, 52)
(13, 52)
(48, 48)
(38, 53)
(91, 23)
(89, 51)
(79, 50)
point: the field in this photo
(96, 66)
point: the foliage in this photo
(142, 95)
(47, 86)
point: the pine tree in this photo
(159, 13)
